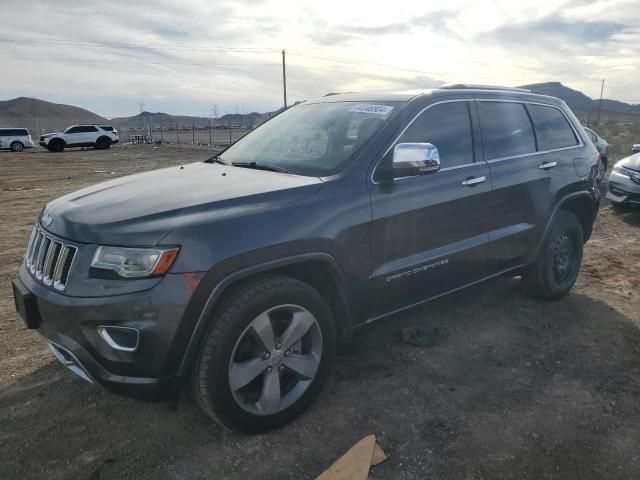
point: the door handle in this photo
(547, 165)
(470, 182)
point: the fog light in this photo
(126, 339)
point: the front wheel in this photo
(556, 269)
(103, 143)
(267, 354)
(17, 147)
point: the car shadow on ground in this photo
(508, 387)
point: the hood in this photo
(140, 209)
(632, 162)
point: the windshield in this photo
(314, 139)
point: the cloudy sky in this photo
(184, 57)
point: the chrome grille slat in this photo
(36, 252)
(32, 237)
(51, 262)
(45, 246)
(49, 259)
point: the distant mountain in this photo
(157, 119)
(584, 106)
(39, 115)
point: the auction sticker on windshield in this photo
(371, 108)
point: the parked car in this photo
(238, 276)
(96, 136)
(603, 147)
(636, 147)
(624, 182)
(15, 139)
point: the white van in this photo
(16, 139)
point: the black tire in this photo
(211, 371)
(556, 269)
(56, 145)
(17, 146)
(620, 207)
(103, 143)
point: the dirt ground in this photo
(508, 387)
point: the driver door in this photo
(429, 232)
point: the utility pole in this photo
(209, 128)
(178, 132)
(600, 103)
(284, 78)
(193, 132)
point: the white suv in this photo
(97, 136)
(16, 139)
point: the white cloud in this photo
(96, 57)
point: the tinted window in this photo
(552, 128)
(88, 129)
(75, 130)
(14, 132)
(448, 127)
(506, 129)
(107, 128)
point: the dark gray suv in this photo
(239, 275)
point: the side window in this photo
(506, 129)
(552, 128)
(107, 128)
(75, 130)
(4, 133)
(87, 129)
(448, 127)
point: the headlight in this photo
(620, 170)
(134, 262)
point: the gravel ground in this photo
(505, 387)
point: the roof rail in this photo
(467, 86)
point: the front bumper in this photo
(623, 190)
(70, 326)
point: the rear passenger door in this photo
(429, 232)
(525, 146)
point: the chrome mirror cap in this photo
(415, 159)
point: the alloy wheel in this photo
(275, 359)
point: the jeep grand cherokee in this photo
(237, 276)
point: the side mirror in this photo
(636, 147)
(411, 159)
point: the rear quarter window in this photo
(552, 128)
(106, 128)
(506, 129)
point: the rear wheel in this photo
(556, 269)
(56, 145)
(266, 356)
(17, 147)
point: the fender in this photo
(583, 193)
(217, 288)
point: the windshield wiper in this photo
(261, 166)
(217, 159)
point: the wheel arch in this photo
(319, 270)
(582, 205)
(103, 137)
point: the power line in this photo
(20, 40)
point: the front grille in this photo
(48, 259)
